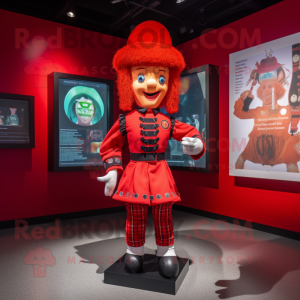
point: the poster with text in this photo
(264, 110)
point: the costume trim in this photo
(149, 141)
(143, 110)
(148, 120)
(149, 126)
(149, 133)
(149, 149)
(122, 123)
(113, 161)
(172, 125)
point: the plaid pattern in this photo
(163, 224)
(136, 224)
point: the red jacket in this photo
(147, 179)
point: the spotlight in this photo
(70, 14)
(202, 19)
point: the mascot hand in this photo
(110, 180)
(192, 146)
(246, 94)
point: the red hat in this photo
(149, 44)
(267, 65)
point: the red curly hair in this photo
(148, 44)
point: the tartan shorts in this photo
(136, 224)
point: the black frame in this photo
(212, 118)
(30, 99)
(53, 117)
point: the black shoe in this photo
(134, 263)
(168, 266)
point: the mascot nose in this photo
(151, 83)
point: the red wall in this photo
(270, 202)
(28, 190)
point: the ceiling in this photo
(185, 20)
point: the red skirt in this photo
(149, 183)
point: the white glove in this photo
(111, 181)
(192, 146)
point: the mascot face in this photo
(149, 84)
(85, 110)
(264, 92)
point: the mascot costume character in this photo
(148, 73)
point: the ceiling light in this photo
(70, 14)
(202, 19)
(179, 1)
(183, 29)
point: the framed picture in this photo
(265, 110)
(79, 117)
(199, 107)
(16, 121)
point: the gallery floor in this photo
(226, 261)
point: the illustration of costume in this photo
(149, 76)
(270, 133)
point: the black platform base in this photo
(149, 279)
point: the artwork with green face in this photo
(83, 106)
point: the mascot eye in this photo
(141, 78)
(162, 80)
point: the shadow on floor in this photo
(106, 252)
(271, 261)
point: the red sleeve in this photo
(111, 148)
(238, 110)
(181, 130)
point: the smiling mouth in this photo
(151, 96)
